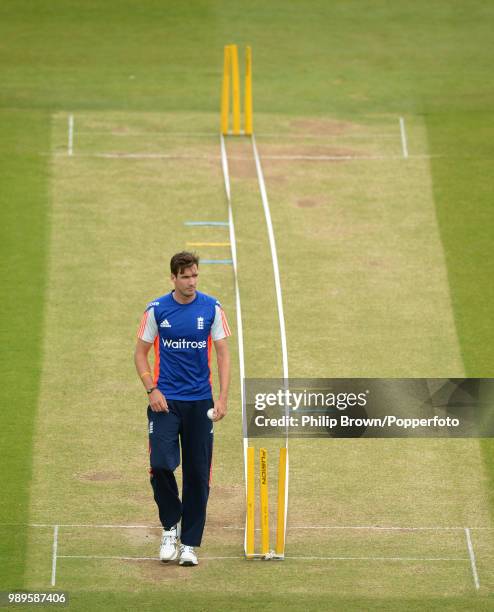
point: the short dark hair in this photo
(180, 261)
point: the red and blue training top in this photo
(182, 335)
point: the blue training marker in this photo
(216, 261)
(217, 223)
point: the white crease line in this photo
(239, 158)
(385, 528)
(291, 557)
(273, 135)
(473, 563)
(101, 526)
(150, 156)
(381, 558)
(141, 156)
(150, 134)
(345, 157)
(323, 137)
(279, 301)
(274, 257)
(367, 528)
(109, 557)
(226, 173)
(70, 143)
(240, 335)
(404, 145)
(235, 527)
(117, 558)
(54, 556)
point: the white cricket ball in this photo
(211, 413)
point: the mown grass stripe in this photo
(23, 238)
(463, 197)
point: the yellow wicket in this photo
(248, 91)
(280, 530)
(231, 76)
(250, 524)
(266, 553)
(225, 90)
(263, 467)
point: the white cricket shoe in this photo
(169, 544)
(187, 555)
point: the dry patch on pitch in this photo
(242, 168)
(241, 164)
(100, 476)
(319, 127)
(268, 151)
(311, 202)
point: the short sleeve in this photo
(219, 328)
(148, 328)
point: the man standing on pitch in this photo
(182, 325)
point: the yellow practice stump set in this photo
(231, 80)
(266, 552)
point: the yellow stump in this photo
(235, 90)
(225, 89)
(263, 466)
(248, 91)
(280, 529)
(250, 526)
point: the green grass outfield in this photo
(391, 254)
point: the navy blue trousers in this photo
(187, 427)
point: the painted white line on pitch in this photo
(240, 335)
(235, 527)
(473, 563)
(54, 556)
(279, 301)
(384, 528)
(274, 135)
(274, 256)
(117, 558)
(290, 557)
(88, 525)
(150, 134)
(142, 156)
(404, 145)
(366, 528)
(287, 136)
(70, 143)
(314, 158)
(379, 558)
(150, 156)
(345, 157)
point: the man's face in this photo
(186, 281)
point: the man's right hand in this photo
(157, 401)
